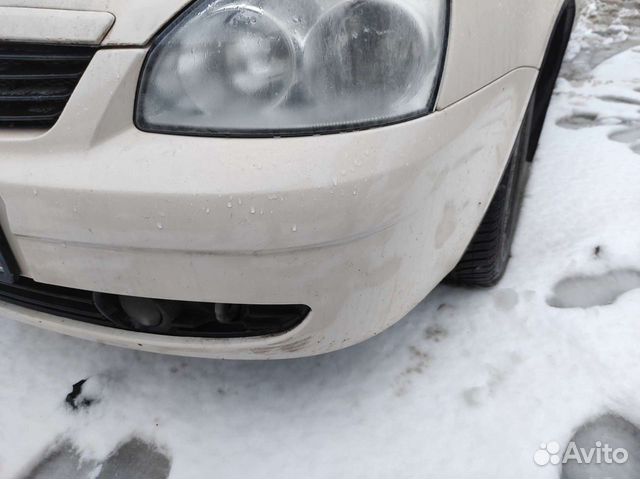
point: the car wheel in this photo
(485, 261)
(486, 258)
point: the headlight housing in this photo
(290, 67)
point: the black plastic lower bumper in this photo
(187, 319)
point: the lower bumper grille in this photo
(67, 302)
(187, 319)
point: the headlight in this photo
(278, 67)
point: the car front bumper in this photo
(358, 226)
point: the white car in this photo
(262, 178)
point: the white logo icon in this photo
(547, 454)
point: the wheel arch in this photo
(550, 68)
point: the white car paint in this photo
(54, 25)
(359, 226)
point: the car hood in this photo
(132, 22)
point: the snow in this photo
(469, 384)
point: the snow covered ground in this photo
(470, 384)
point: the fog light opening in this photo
(197, 319)
(148, 314)
(228, 313)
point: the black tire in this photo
(485, 261)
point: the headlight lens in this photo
(227, 67)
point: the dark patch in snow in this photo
(505, 299)
(62, 462)
(590, 291)
(627, 135)
(597, 251)
(578, 121)
(75, 399)
(615, 432)
(420, 361)
(630, 134)
(619, 30)
(619, 99)
(473, 396)
(443, 306)
(136, 458)
(611, 31)
(435, 333)
(133, 459)
(479, 395)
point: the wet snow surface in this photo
(470, 384)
